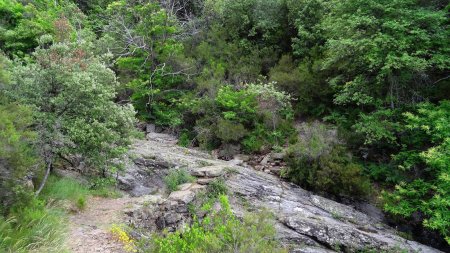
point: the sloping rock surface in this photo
(307, 222)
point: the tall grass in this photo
(39, 224)
(35, 228)
(66, 189)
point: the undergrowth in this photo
(37, 227)
(177, 177)
(219, 231)
(66, 189)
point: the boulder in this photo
(306, 222)
(184, 197)
(209, 171)
(150, 128)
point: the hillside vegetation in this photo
(355, 93)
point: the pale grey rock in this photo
(184, 197)
(305, 221)
(278, 156)
(204, 181)
(150, 128)
(209, 171)
(265, 160)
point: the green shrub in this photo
(220, 231)
(216, 188)
(254, 115)
(184, 139)
(177, 177)
(319, 162)
(17, 156)
(104, 187)
(229, 131)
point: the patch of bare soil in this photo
(89, 230)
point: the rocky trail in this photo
(306, 222)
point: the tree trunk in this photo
(44, 180)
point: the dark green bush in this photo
(258, 116)
(228, 130)
(216, 188)
(320, 163)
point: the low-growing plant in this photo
(104, 187)
(67, 189)
(219, 231)
(177, 177)
(216, 188)
(121, 235)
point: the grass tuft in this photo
(177, 177)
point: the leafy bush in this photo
(17, 155)
(254, 115)
(228, 130)
(429, 195)
(104, 187)
(177, 177)
(220, 231)
(185, 139)
(320, 163)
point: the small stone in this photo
(204, 181)
(150, 128)
(182, 196)
(172, 218)
(236, 162)
(242, 157)
(265, 160)
(184, 187)
(278, 156)
(209, 171)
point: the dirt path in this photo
(89, 230)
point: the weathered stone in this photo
(204, 181)
(278, 156)
(182, 196)
(236, 162)
(228, 151)
(209, 171)
(184, 187)
(242, 157)
(265, 160)
(150, 128)
(307, 222)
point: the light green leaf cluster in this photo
(72, 92)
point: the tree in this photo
(17, 156)
(72, 92)
(428, 193)
(385, 53)
(145, 39)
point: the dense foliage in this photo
(238, 76)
